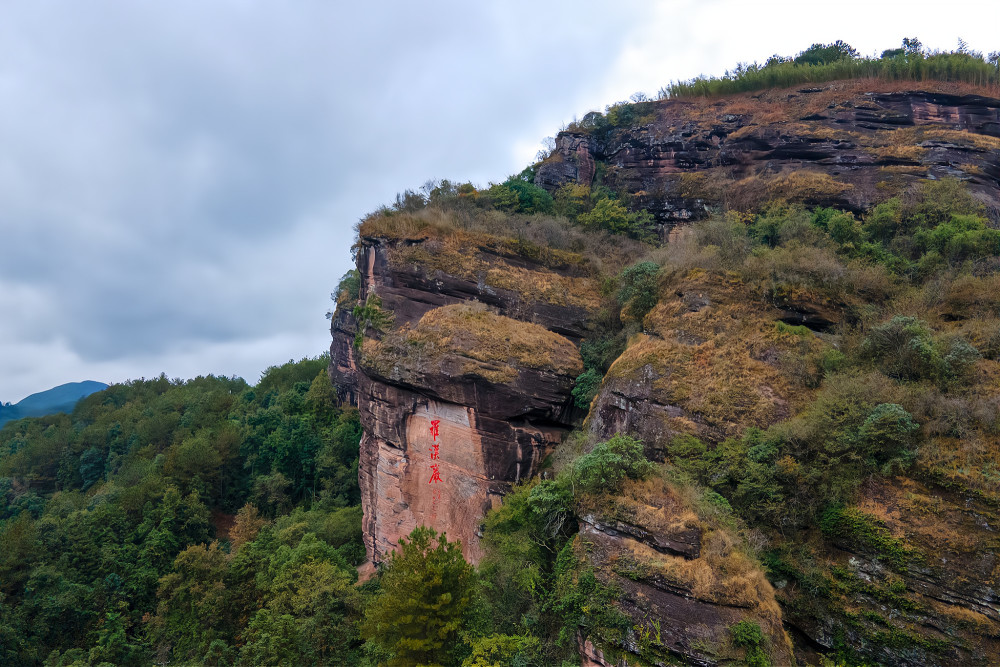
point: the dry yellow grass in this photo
(496, 346)
(722, 573)
(402, 226)
(650, 503)
(979, 141)
(807, 186)
(750, 193)
(907, 153)
(461, 254)
(735, 378)
(479, 333)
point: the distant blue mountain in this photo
(58, 399)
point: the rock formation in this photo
(475, 338)
(837, 145)
(683, 580)
(493, 365)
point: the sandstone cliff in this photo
(480, 333)
(478, 338)
(840, 144)
(683, 577)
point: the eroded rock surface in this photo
(683, 582)
(837, 145)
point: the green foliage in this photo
(503, 198)
(612, 216)
(598, 354)
(530, 197)
(532, 576)
(831, 62)
(105, 518)
(939, 227)
(821, 54)
(904, 348)
(606, 468)
(572, 199)
(498, 650)
(884, 221)
(793, 329)
(748, 636)
(586, 387)
(583, 604)
(866, 531)
(638, 290)
(424, 597)
(519, 194)
(371, 315)
(789, 473)
(617, 115)
(349, 287)
(832, 361)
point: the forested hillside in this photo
(194, 521)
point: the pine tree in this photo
(424, 596)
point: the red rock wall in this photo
(491, 434)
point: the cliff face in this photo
(492, 365)
(683, 581)
(712, 364)
(475, 338)
(838, 145)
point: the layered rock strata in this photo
(683, 582)
(834, 145)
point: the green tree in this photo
(422, 604)
(503, 650)
(820, 54)
(609, 464)
(612, 216)
(195, 608)
(638, 290)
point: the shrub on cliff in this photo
(587, 385)
(638, 290)
(904, 348)
(606, 468)
(612, 216)
(518, 194)
(748, 636)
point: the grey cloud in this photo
(185, 175)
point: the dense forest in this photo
(185, 521)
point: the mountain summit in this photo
(58, 399)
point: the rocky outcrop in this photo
(710, 363)
(931, 600)
(490, 368)
(475, 338)
(837, 145)
(683, 582)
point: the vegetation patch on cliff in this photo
(474, 332)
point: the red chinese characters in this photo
(435, 454)
(436, 476)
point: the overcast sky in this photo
(179, 180)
